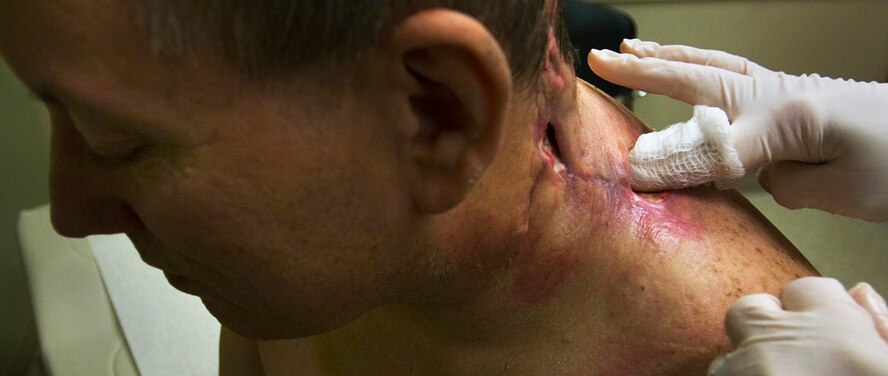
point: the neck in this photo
(560, 285)
(549, 271)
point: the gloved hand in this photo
(816, 328)
(823, 142)
(869, 299)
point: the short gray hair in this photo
(271, 38)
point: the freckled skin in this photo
(661, 268)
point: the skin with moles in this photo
(358, 218)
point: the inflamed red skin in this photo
(661, 268)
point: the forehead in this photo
(43, 35)
(91, 55)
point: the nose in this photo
(84, 193)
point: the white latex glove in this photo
(874, 303)
(816, 328)
(823, 142)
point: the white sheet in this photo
(101, 311)
(168, 332)
(79, 333)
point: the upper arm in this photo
(238, 356)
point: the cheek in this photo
(271, 222)
(210, 204)
(253, 246)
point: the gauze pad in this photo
(686, 154)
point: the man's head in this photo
(290, 208)
(282, 37)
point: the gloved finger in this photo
(726, 365)
(817, 294)
(751, 315)
(740, 362)
(718, 366)
(788, 131)
(689, 83)
(692, 55)
(794, 185)
(869, 299)
(798, 185)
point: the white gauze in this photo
(686, 154)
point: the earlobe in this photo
(460, 93)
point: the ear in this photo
(459, 92)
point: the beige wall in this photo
(834, 38)
(23, 171)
